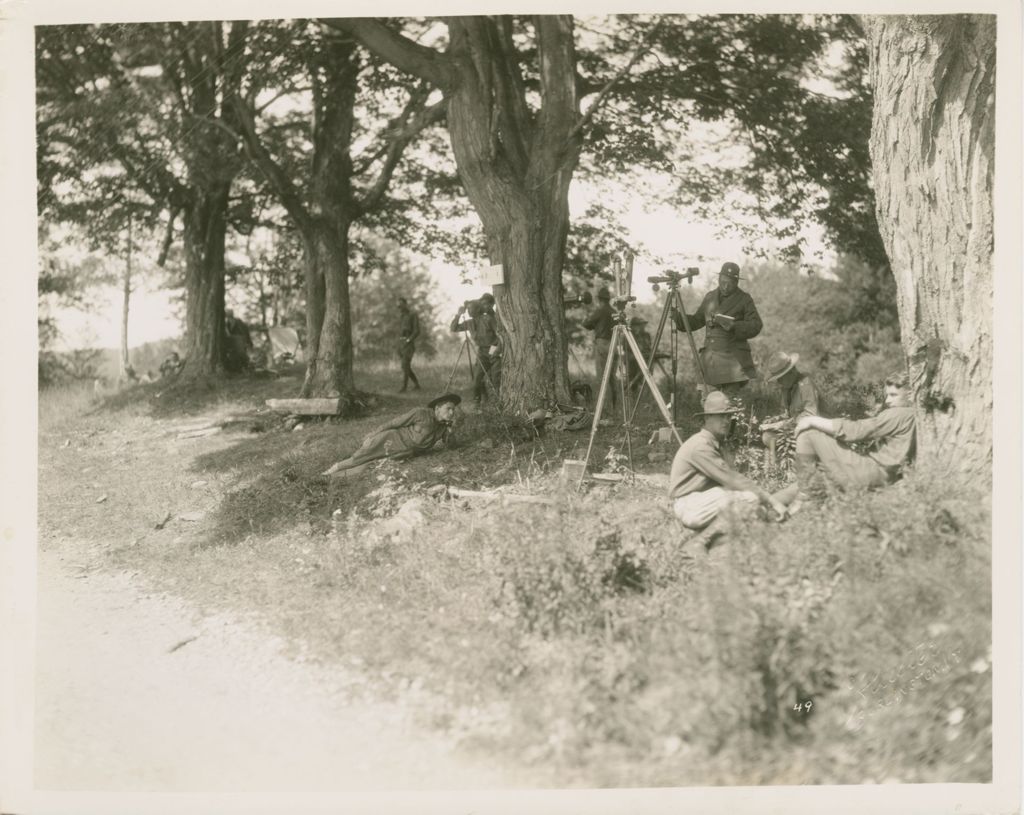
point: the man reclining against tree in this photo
(703, 481)
(821, 441)
(407, 435)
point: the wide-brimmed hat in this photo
(716, 403)
(604, 294)
(730, 269)
(781, 364)
(454, 398)
(487, 298)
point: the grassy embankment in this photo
(850, 644)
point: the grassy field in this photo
(851, 644)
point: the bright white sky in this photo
(669, 241)
(664, 239)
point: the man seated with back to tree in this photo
(822, 443)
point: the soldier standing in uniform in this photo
(483, 330)
(600, 321)
(729, 318)
(409, 330)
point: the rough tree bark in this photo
(516, 166)
(932, 151)
(205, 72)
(205, 232)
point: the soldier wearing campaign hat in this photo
(799, 396)
(704, 481)
(729, 318)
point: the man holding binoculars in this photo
(483, 330)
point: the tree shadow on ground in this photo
(177, 397)
(288, 491)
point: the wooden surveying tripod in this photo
(622, 340)
(467, 346)
(673, 301)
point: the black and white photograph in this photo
(574, 409)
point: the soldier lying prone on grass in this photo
(408, 435)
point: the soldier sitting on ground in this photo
(239, 343)
(172, 365)
(703, 481)
(799, 395)
(410, 434)
(822, 442)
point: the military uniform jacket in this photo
(893, 430)
(801, 399)
(407, 435)
(408, 325)
(726, 354)
(482, 328)
(600, 321)
(702, 463)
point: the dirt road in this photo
(137, 692)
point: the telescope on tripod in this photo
(623, 342)
(674, 302)
(584, 299)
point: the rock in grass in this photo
(406, 521)
(192, 516)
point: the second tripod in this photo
(673, 301)
(623, 341)
(467, 346)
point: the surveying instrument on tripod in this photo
(673, 302)
(623, 342)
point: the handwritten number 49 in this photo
(803, 707)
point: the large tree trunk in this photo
(205, 228)
(516, 165)
(932, 150)
(323, 213)
(519, 186)
(328, 313)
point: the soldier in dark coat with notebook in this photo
(729, 318)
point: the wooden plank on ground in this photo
(196, 434)
(306, 407)
(504, 497)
